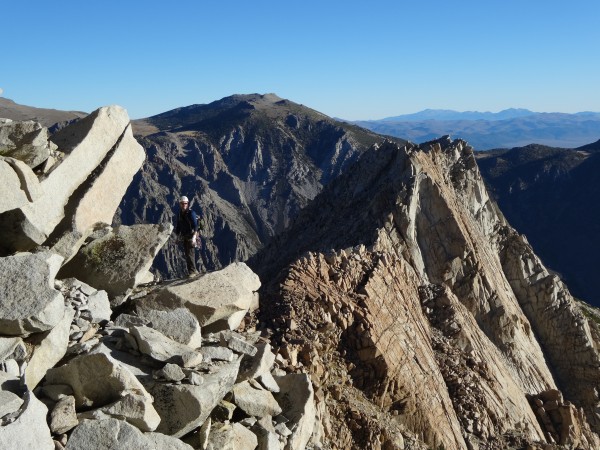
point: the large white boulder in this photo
(30, 429)
(26, 141)
(133, 407)
(184, 407)
(110, 434)
(86, 144)
(159, 347)
(219, 300)
(102, 195)
(120, 259)
(52, 347)
(255, 401)
(178, 324)
(228, 436)
(29, 303)
(96, 379)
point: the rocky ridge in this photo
(95, 354)
(44, 116)
(425, 311)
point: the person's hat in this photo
(184, 199)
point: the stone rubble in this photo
(91, 391)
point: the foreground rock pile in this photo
(92, 382)
(93, 353)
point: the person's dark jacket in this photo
(187, 223)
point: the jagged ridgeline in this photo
(415, 306)
(248, 162)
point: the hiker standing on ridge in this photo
(187, 231)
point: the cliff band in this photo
(414, 305)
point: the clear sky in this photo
(348, 59)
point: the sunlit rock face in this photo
(415, 306)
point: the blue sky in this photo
(348, 59)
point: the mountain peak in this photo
(226, 110)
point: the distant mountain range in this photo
(450, 114)
(486, 130)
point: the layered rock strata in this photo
(413, 304)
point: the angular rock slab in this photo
(184, 407)
(156, 345)
(119, 260)
(107, 434)
(164, 442)
(96, 379)
(86, 144)
(18, 184)
(135, 408)
(257, 365)
(102, 195)
(99, 306)
(178, 324)
(63, 417)
(255, 402)
(26, 141)
(50, 351)
(30, 429)
(232, 437)
(220, 299)
(28, 301)
(296, 397)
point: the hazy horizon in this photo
(348, 59)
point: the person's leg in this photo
(190, 257)
(201, 263)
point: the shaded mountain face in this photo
(248, 163)
(551, 195)
(414, 305)
(553, 129)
